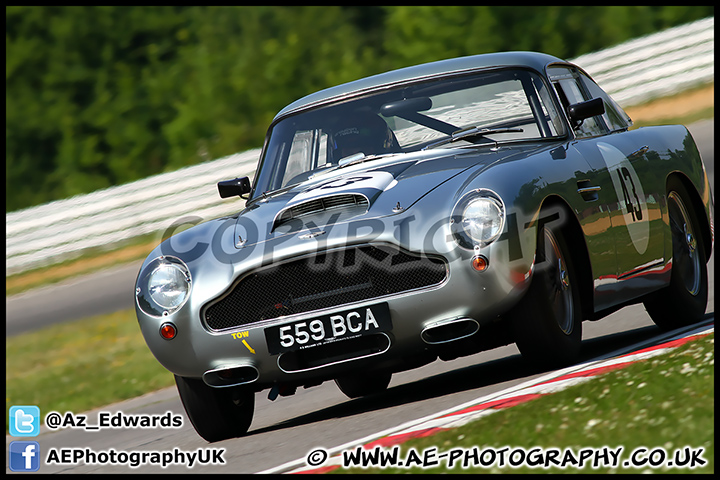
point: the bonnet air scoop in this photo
(322, 204)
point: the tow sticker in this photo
(242, 336)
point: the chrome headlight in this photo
(478, 219)
(163, 286)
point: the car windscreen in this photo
(457, 111)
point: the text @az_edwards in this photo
(108, 420)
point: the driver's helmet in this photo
(363, 132)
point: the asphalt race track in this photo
(290, 427)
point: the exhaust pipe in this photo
(449, 330)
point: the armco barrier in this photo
(655, 65)
(652, 66)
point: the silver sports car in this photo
(429, 212)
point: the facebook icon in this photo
(24, 456)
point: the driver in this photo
(366, 133)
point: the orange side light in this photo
(480, 263)
(168, 331)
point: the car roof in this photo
(534, 60)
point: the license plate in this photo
(324, 329)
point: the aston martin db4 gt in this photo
(429, 212)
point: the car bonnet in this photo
(373, 189)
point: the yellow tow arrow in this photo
(239, 335)
(248, 347)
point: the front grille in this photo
(324, 280)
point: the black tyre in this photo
(684, 300)
(216, 413)
(547, 322)
(361, 384)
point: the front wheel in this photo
(684, 300)
(547, 322)
(216, 413)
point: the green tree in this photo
(245, 64)
(103, 95)
(79, 117)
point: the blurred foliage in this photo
(103, 95)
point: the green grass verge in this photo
(664, 403)
(80, 365)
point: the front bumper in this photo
(466, 300)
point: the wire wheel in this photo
(560, 292)
(684, 300)
(547, 322)
(686, 257)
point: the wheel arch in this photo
(573, 233)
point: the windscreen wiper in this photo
(469, 132)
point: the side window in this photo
(570, 90)
(615, 117)
(556, 123)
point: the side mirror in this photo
(590, 108)
(235, 187)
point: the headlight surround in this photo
(478, 219)
(163, 286)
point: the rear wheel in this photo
(216, 413)
(362, 384)
(547, 322)
(684, 300)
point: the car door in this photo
(626, 189)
